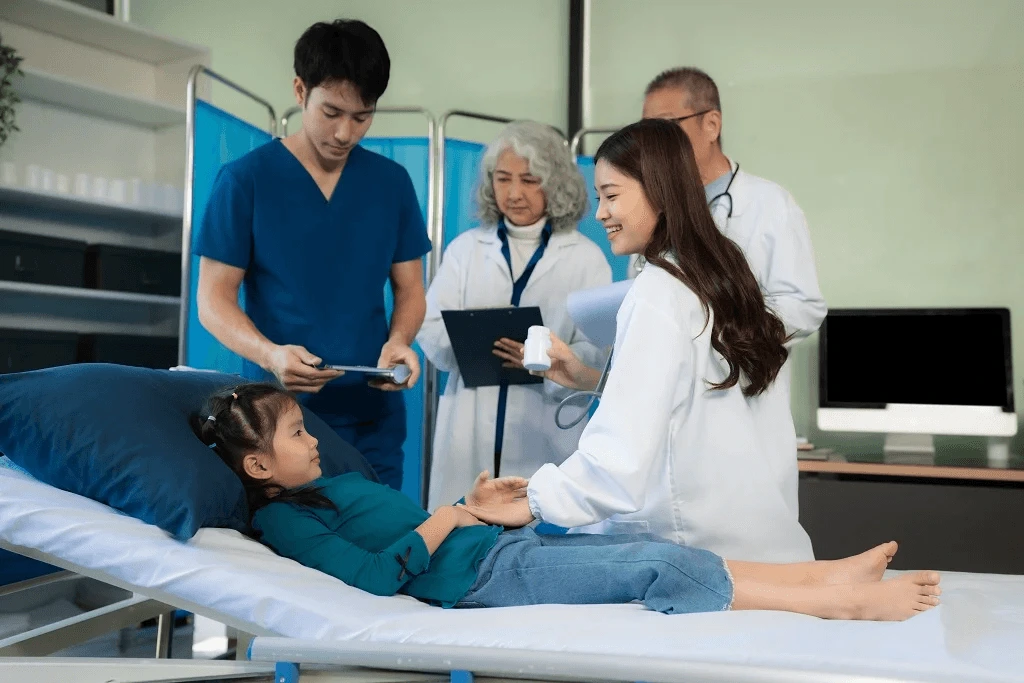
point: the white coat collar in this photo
(739, 190)
(560, 239)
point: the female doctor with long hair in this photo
(686, 443)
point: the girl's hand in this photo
(463, 517)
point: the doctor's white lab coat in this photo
(474, 274)
(725, 475)
(772, 231)
(664, 454)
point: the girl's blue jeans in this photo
(527, 568)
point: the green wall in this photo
(896, 124)
(499, 58)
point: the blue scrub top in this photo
(316, 268)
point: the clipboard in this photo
(473, 333)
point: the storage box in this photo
(123, 269)
(24, 350)
(141, 351)
(41, 260)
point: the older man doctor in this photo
(757, 214)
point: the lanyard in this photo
(518, 286)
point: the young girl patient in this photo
(377, 539)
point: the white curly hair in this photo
(548, 156)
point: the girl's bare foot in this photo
(892, 600)
(867, 567)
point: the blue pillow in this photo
(120, 435)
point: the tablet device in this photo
(398, 374)
(473, 333)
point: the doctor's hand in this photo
(566, 367)
(509, 515)
(488, 491)
(396, 353)
(510, 351)
(295, 368)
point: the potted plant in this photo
(10, 64)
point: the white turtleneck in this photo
(522, 242)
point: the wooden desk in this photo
(922, 471)
(944, 517)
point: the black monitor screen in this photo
(870, 358)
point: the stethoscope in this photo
(725, 195)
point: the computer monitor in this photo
(914, 373)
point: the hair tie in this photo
(211, 418)
(213, 445)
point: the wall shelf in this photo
(98, 30)
(31, 306)
(89, 294)
(88, 99)
(81, 206)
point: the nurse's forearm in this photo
(226, 321)
(410, 309)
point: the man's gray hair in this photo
(549, 159)
(701, 90)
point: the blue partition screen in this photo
(219, 138)
(414, 155)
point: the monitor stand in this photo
(909, 449)
(919, 449)
(998, 451)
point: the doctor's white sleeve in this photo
(624, 444)
(445, 293)
(783, 262)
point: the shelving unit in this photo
(94, 29)
(105, 98)
(29, 306)
(63, 92)
(73, 205)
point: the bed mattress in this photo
(976, 634)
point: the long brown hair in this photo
(658, 155)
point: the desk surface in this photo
(929, 471)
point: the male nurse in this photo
(315, 226)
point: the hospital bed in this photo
(301, 616)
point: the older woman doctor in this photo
(688, 442)
(526, 252)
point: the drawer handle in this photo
(20, 267)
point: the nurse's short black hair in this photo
(344, 50)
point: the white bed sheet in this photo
(976, 635)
